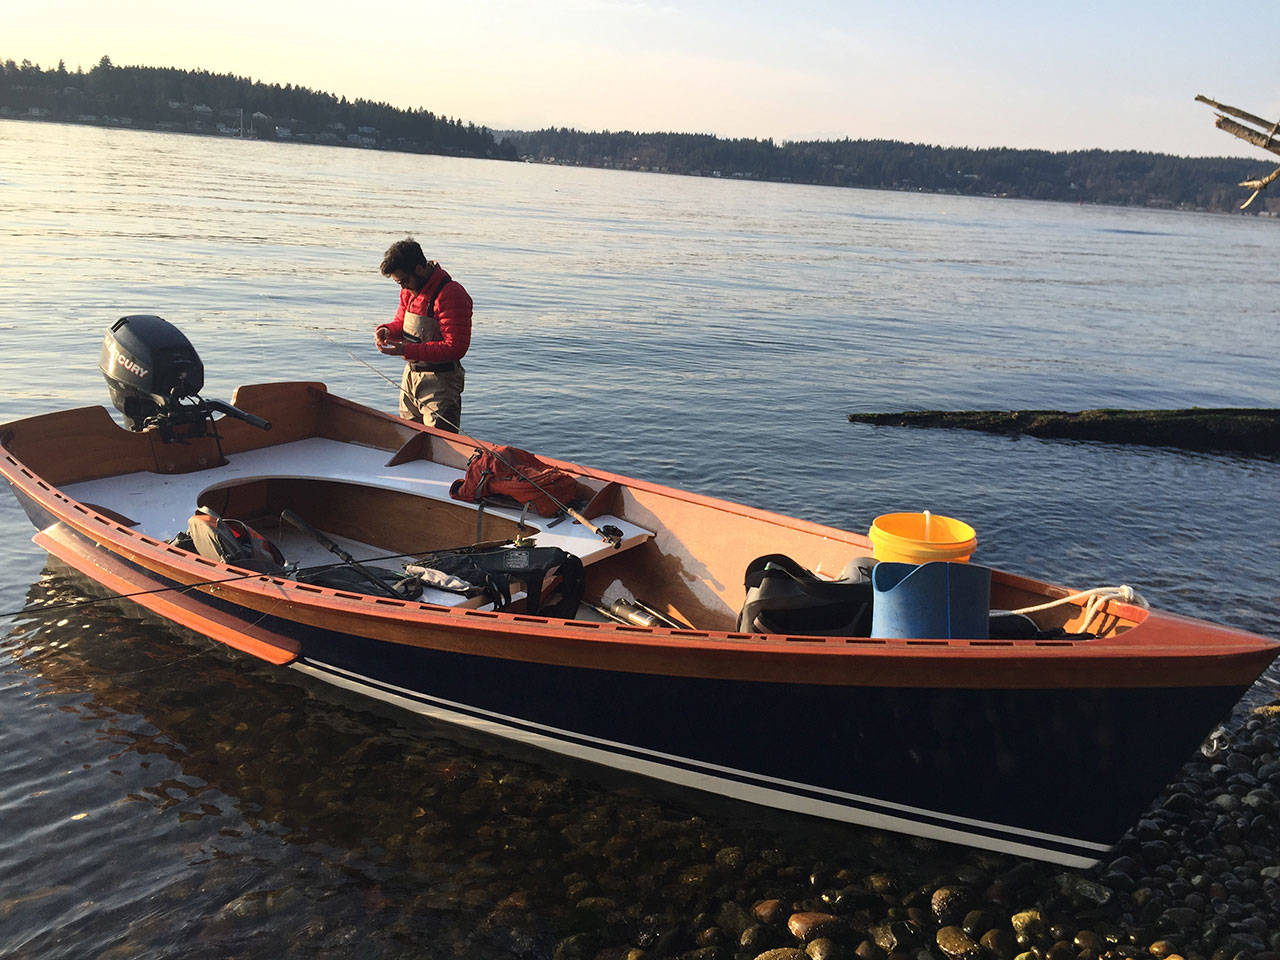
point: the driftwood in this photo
(1267, 141)
(1232, 430)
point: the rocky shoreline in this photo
(1255, 432)
(1198, 878)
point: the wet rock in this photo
(1156, 852)
(1061, 950)
(977, 922)
(783, 953)
(733, 919)
(1082, 890)
(1126, 865)
(731, 858)
(851, 898)
(1027, 924)
(1088, 940)
(921, 917)
(253, 904)
(768, 911)
(1180, 803)
(1260, 799)
(949, 905)
(1179, 918)
(823, 948)
(710, 937)
(1116, 881)
(759, 937)
(1162, 949)
(866, 950)
(957, 944)
(882, 884)
(577, 947)
(597, 905)
(697, 875)
(811, 925)
(899, 936)
(999, 943)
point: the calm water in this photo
(160, 794)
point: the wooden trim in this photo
(173, 605)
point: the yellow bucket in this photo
(921, 538)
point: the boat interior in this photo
(378, 488)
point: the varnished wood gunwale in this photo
(1156, 650)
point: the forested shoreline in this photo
(201, 102)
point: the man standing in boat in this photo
(432, 331)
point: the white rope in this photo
(1096, 597)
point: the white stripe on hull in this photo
(699, 775)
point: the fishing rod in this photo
(608, 533)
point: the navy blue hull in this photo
(1080, 764)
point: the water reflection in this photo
(271, 817)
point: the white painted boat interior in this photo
(159, 505)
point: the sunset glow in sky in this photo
(1056, 75)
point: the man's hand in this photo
(382, 338)
(392, 348)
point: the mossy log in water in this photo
(1235, 430)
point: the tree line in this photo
(1087, 176)
(197, 101)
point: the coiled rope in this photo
(1096, 597)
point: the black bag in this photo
(493, 570)
(340, 576)
(784, 597)
(229, 541)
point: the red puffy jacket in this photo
(452, 306)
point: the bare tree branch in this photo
(1235, 112)
(1266, 141)
(1257, 186)
(1256, 137)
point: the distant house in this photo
(203, 110)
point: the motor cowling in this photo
(150, 366)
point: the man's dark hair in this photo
(403, 255)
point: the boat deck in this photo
(159, 505)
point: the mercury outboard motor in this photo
(155, 376)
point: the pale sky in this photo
(1057, 75)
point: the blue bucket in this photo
(933, 600)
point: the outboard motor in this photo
(155, 376)
(150, 366)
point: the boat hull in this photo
(1057, 774)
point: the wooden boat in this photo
(1048, 747)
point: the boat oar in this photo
(291, 518)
